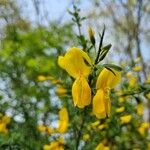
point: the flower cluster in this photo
(63, 124)
(79, 65)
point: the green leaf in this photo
(107, 47)
(104, 52)
(112, 66)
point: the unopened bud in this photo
(91, 35)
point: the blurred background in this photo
(33, 33)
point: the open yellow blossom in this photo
(76, 62)
(81, 92)
(125, 119)
(101, 146)
(101, 101)
(63, 120)
(78, 65)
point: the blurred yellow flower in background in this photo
(101, 146)
(120, 109)
(50, 130)
(101, 101)
(137, 68)
(148, 79)
(133, 81)
(55, 145)
(125, 119)
(143, 128)
(102, 126)
(3, 128)
(61, 91)
(148, 96)
(42, 78)
(63, 120)
(4, 121)
(140, 109)
(78, 65)
(45, 129)
(42, 128)
(86, 137)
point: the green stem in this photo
(80, 130)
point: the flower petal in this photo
(76, 62)
(107, 79)
(99, 104)
(81, 92)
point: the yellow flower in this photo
(125, 119)
(76, 62)
(41, 78)
(102, 126)
(101, 146)
(78, 65)
(61, 91)
(86, 137)
(137, 68)
(6, 119)
(148, 96)
(101, 101)
(42, 128)
(55, 145)
(140, 109)
(101, 104)
(95, 124)
(129, 74)
(148, 79)
(49, 130)
(81, 92)
(121, 100)
(3, 128)
(120, 110)
(133, 81)
(107, 79)
(143, 128)
(63, 120)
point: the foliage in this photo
(40, 103)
